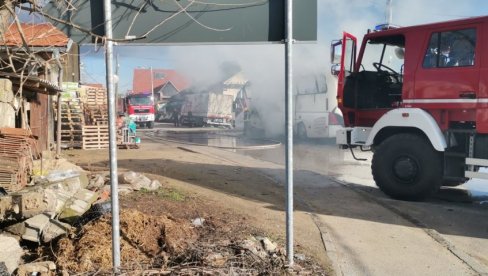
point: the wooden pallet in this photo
(95, 137)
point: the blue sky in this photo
(201, 63)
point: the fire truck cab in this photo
(418, 98)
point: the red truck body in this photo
(140, 108)
(427, 84)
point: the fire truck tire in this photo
(150, 124)
(406, 166)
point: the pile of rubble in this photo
(51, 206)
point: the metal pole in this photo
(152, 86)
(58, 113)
(112, 137)
(289, 129)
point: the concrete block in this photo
(35, 226)
(30, 203)
(60, 176)
(10, 252)
(86, 195)
(54, 230)
(40, 221)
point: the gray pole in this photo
(58, 114)
(113, 136)
(289, 128)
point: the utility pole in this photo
(114, 182)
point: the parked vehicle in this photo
(313, 119)
(202, 109)
(140, 108)
(417, 96)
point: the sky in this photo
(264, 64)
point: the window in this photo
(451, 49)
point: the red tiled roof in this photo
(142, 79)
(36, 35)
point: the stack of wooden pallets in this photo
(95, 137)
(72, 122)
(95, 130)
(96, 106)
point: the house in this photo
(165, 83)
(33, 57)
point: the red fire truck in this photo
(140, 108)
(418, 98)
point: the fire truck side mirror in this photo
(335, 69)
(335, 51)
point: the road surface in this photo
(362, 231)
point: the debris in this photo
(198, 222)
(78, 205)
(138, 181)
(216, 260)
(29, 203)
(10, 253)
(59, 176)
(268, 246)
(53, 230)
(96, 182)
(39, 268)
(34, 227)
(3, 269)
(300, 257)
(6, 207)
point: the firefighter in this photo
(176, 117)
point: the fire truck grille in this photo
(141, 111)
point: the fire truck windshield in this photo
(140, 100)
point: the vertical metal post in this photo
(58, 103)
(389, 12)
(112, 136)
(289, 128)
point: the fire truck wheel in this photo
(150, 124)
(406, 166)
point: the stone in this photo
(136, 180)
(216, 260)
(125, 189)
(154, 185)
(268, 246)
(3, 269)
(300, 257)
(198, 222)
(97, 182)
(54, 230)
(10, 252)
(39, 268)
(6, 207)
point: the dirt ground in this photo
(200, 185)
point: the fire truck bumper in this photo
(142, 118)
(352, 136)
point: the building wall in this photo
(7, 111)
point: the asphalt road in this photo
(363, 231)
